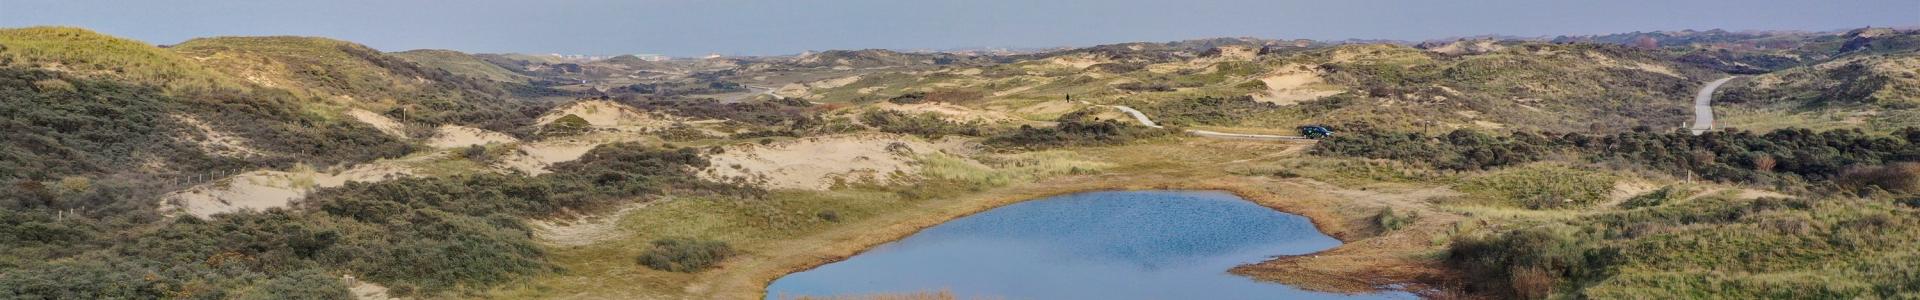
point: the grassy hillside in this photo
(461, 64)
(311, 66)
(84, 52)
(353, 75)
(1875, 87)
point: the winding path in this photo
(753, 90)
(1142, 117)
(1702, 106)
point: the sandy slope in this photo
(454, 136)
(818, 163)
(1292, 84)
(259, 190)
(383, 123)
(609, 115)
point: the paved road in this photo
(1142, 117)
(1702, 108)
(752, 90)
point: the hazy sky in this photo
(741, 27)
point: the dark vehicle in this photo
(1316, 132)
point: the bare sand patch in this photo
(533, 158)
(1292, 84)
(1076, 61)
(608, 115)
(260, 190)
(383, 123)
(454, 136)
(215, 142)
(952, 112)
(1605, 61)
(819, 163)
(1468, 47)
(793, 90)
(834, 83)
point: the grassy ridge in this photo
(462, 64)
(85, 52)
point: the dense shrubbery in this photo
(950, 96)
(927, 124)
(1075, 133)
(428, 235)
(1208, 110)
(1539, 186)
(80, 127)
(1669, 243)
(569, 124)
(1709, 247)
(684, 254)
(57, 126)
(1782, 156)
(1459, 150)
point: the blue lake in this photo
(1100, 245)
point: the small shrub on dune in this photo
(1897, 178)
(685, 255)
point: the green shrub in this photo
(1664, 195)
(684, 255)
(1208, 110)
(927, 124)
(569, 124)
(1076, 133)
(1898, 178)
(1539, 186)
(1389, 220)
(302, 284)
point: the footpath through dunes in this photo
(1142, 117)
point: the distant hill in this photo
(878, 58)
(356, 75)
(312, 66)
(462, 64)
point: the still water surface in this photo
(1099, 245)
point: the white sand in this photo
(455, 136)
(817, 163)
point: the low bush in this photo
(927, 124)
(1390, 220)
(684, 255)
(1075, 133)
(1539, 186)
(1898, 178)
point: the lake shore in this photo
(1334, 270)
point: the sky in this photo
(773, 27)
